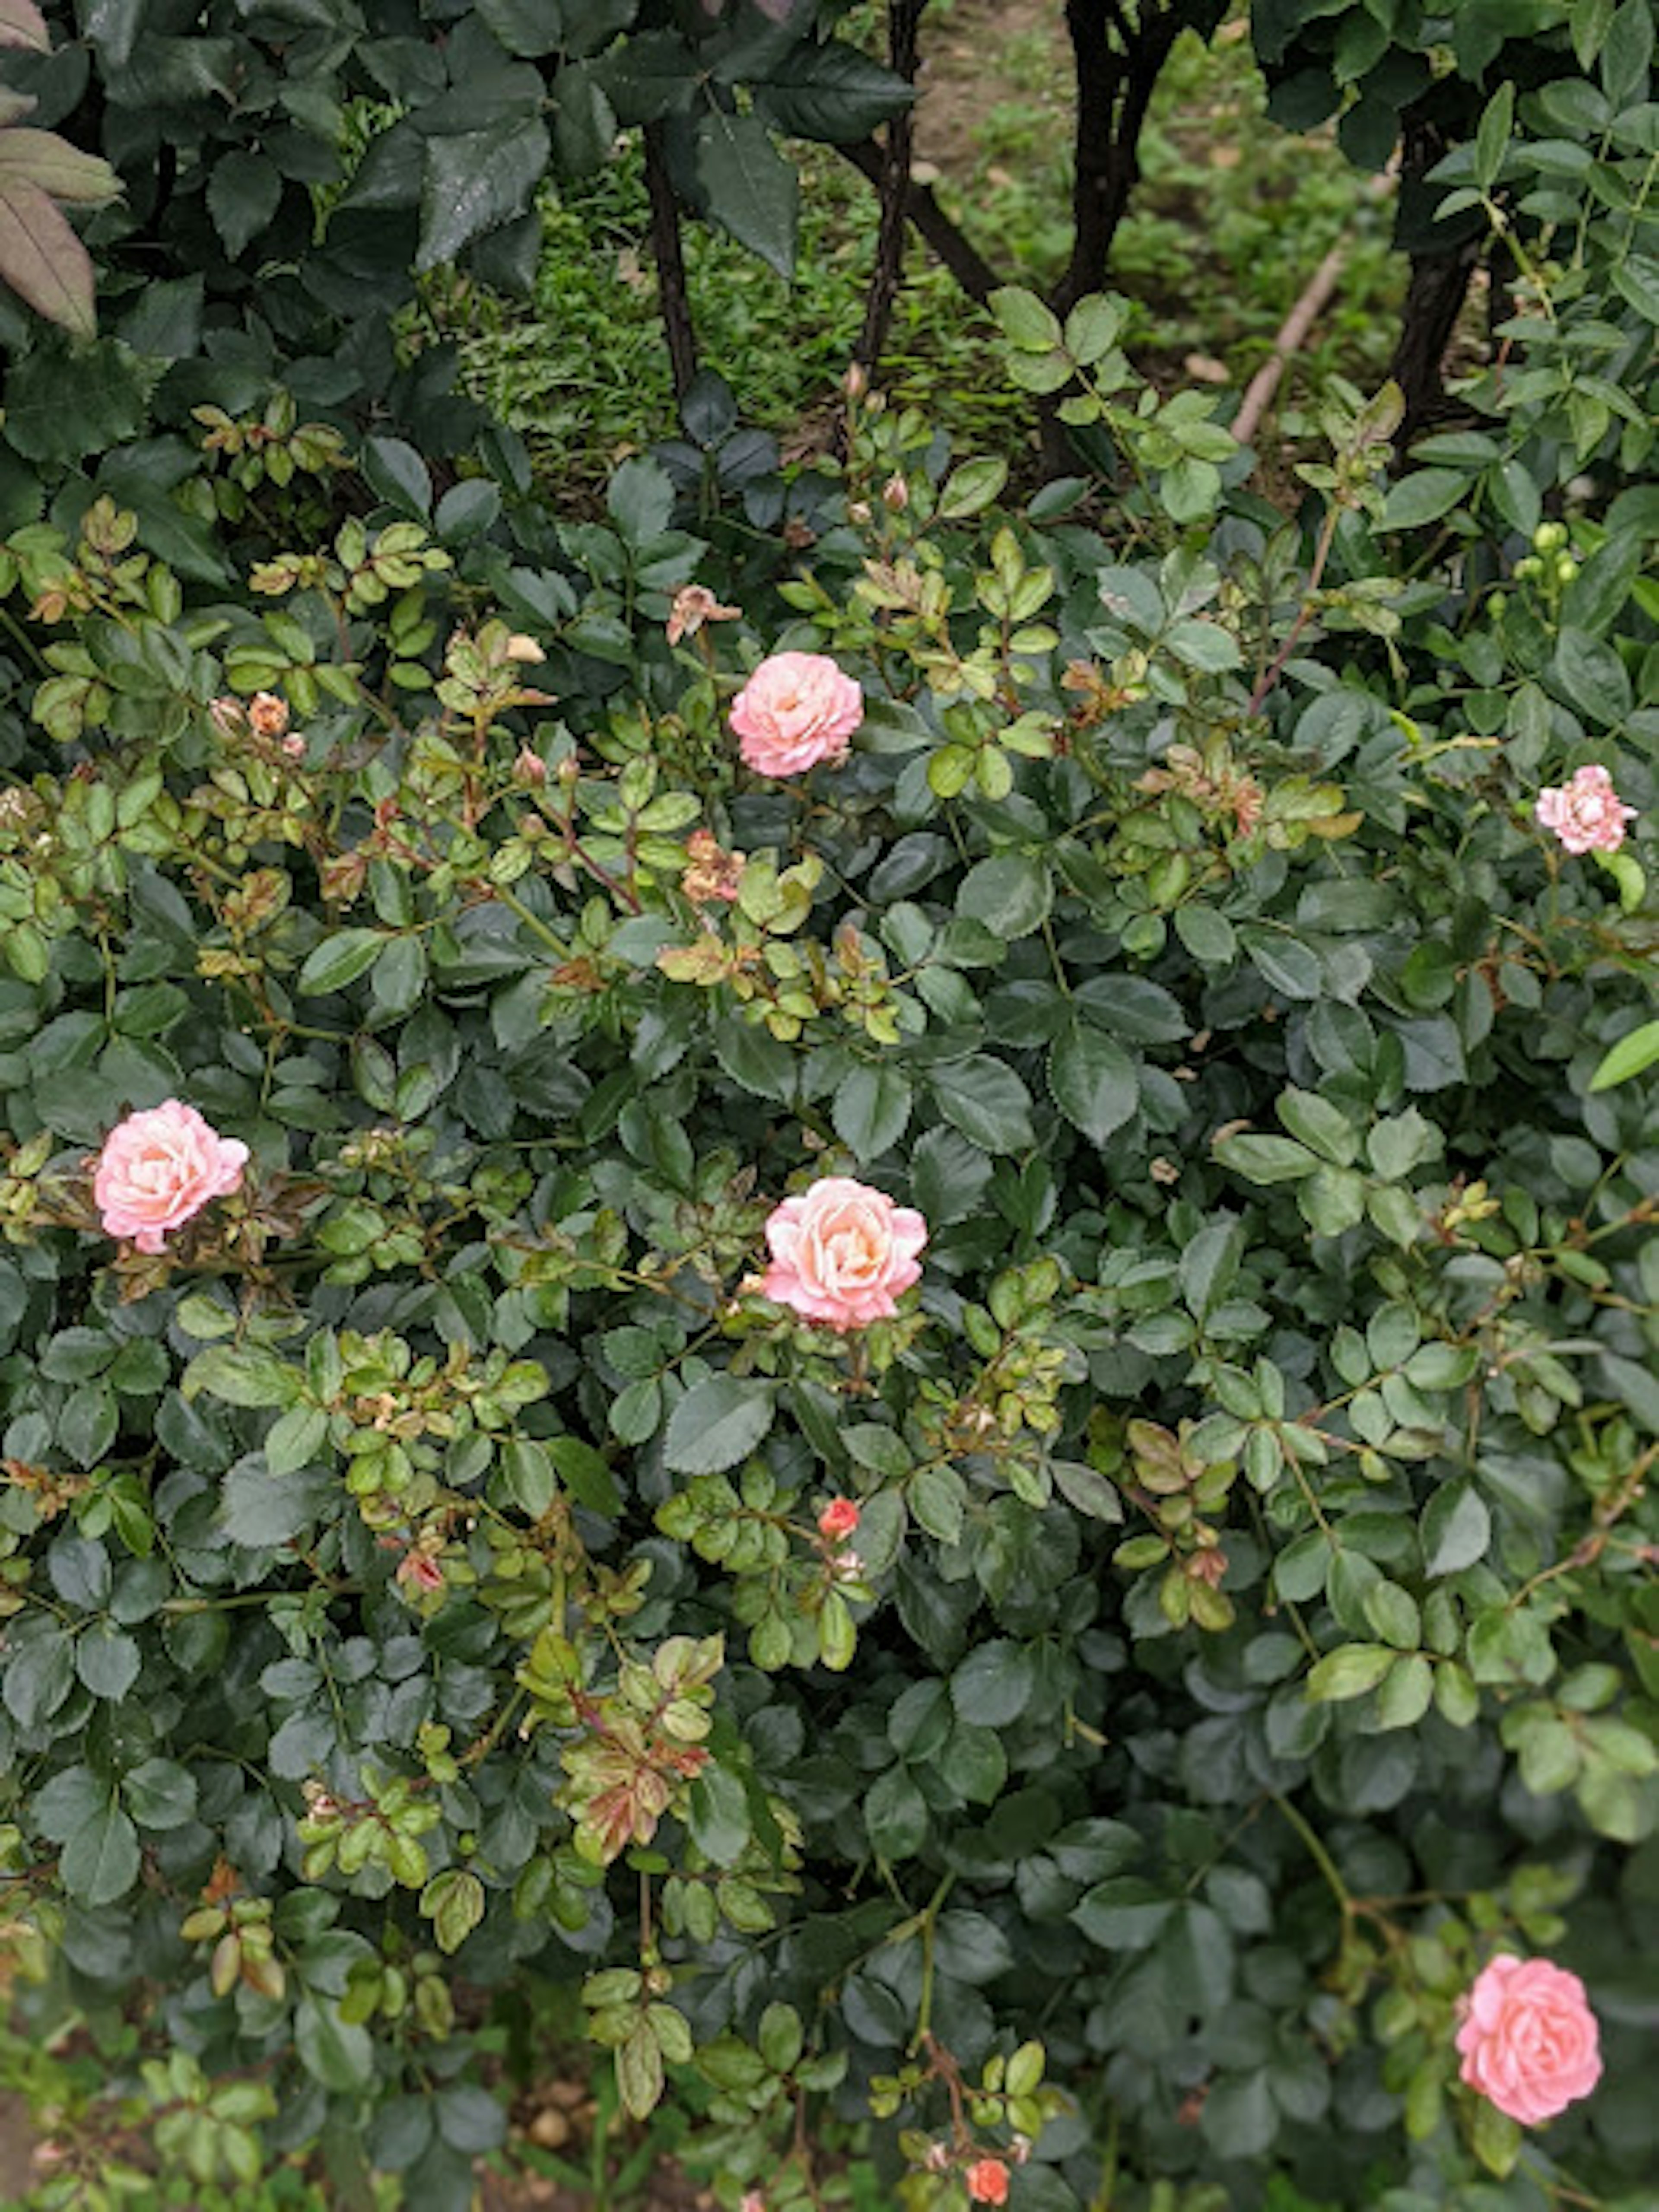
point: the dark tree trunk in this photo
(1118, 62)
(1438, 286)
(674, 297)
(903, 21)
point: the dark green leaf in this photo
(717, 1424)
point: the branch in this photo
(953, 246)
(904, 17)
(674, 297)
(1115, 86)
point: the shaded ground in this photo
(973, 59)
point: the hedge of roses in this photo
(878, 1288)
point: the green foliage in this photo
(414, 1572)
(417, 1579)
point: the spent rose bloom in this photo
(1586, 815)
(841, 1252)
(267, 715)
(694, 605)
(418, 1570)
(797, 709)
(1529, 2041)
(987, 2181)
(839, 1518)
(158, 1168)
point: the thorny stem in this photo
(1305, 613)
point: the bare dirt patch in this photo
(965, 72)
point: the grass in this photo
(1230, 220)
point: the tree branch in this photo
(903, 19)
(1115, 86)
(673, 296)
(977, 278)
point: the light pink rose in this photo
(1586, 815)
(797, 709)
(1529, 2040)
(841, 1252)
(158, 1168)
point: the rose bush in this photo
(969, 1436)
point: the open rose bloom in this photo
(158, 1168)
(1586, 815)
(1529, 2040)
(797, 709)
(842, 1253)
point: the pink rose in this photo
(797, 709)
(158, 1168)
(1586, 814)
(841, 1252)
(840, 1518)
(1529, 2040)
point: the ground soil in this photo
(960, 80)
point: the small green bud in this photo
(1565, 569)
(1549, 536)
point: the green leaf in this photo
(38, 1673)
(160, 1793)
(1240, 2117)
(335, 2053)
(1125, 1913)
(719, 1823)
(586, 1474)
(1324, 1128)
(1633, 1056)
(67, 1802)
(1348, 1672)
(753, 192)
(895, 1816)
(1267, 1159)
(1493, 135)
(1209, 1263)
(1496, 2138)
(831, 92)
(106, 1660)
(348, 953)
(100, 1862)
(640, 2072)
(477, 181)
(872, 1108)
(1012, 893)
(1094, 1081)
(242, 1376)
(242, 195)
(453, 1901)
(1422, 497)
(995, 1683)
(986, 1101)
(717, 1424)
(529, 28)
(1022, 317)
(1456, 1528)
